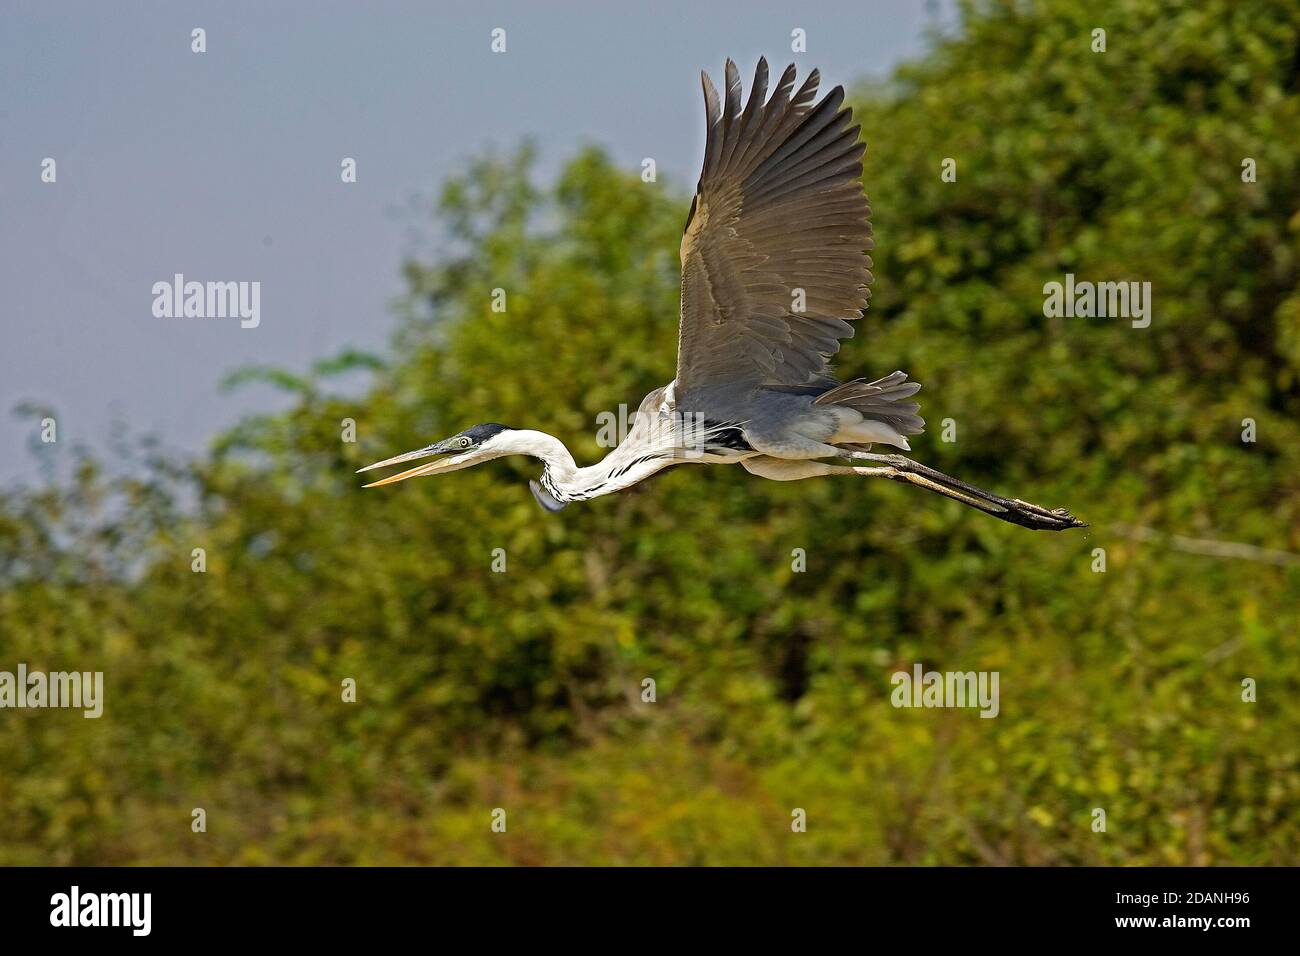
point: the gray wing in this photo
(779, 208)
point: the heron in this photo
(774, 269)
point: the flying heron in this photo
(774, 268)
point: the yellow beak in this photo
(471, 456)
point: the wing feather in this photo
(779, 208)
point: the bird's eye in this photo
(464, 443)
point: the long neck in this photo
(564, 481)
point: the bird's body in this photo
(774, 269)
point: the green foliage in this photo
(522, 690)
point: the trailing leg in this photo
(898, 468)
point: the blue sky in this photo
(225, 166)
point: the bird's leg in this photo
(898, 468)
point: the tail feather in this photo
(881, 400)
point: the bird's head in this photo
(464, 449)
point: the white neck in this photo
(564, 481)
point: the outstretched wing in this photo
(774, 263)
